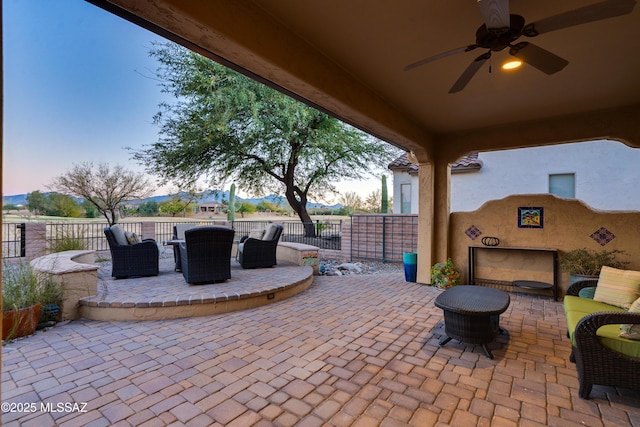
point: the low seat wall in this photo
(76, 272)
(300, 254)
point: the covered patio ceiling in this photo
(347, 57)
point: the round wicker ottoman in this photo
(472, 314)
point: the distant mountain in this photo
(18, 199)
(21, 199)
(271, 198)
(207, 196)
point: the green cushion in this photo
(576, 308)
(618, 287)
(609, 336)
(631, 330)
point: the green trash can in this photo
(410, 260)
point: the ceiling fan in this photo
(502, 30)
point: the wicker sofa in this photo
(131, 259)
(601, 356)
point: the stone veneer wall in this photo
(567, 224)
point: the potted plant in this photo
(585, 263)
(24, 293)
(444, 275)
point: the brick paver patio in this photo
(349, 351)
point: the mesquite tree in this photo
(224, 126)
(104, 187)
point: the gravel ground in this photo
(328, 267)
(331, 267)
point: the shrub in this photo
(588, 262)
(444, 275)
(22, 287)
(68, 238)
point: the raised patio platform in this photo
(168, 296)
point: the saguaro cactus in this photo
(384, 208)
(231, 212)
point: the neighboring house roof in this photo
(210, 204)
(467, 163)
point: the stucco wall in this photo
(568, 224)
(605, 175)
(400, 178)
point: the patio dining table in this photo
(176, 252)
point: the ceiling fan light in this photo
(512, 64)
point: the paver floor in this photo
(349, 351)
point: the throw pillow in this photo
(631, 330)
(256, 233)
(618, 287)
(132, 237)
(587, 292)
(118, 234)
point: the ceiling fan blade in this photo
(440, 56)
(595, 12)
(468, 74)
(495, 13)
(538, 57)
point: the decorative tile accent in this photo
(473, 232)
(530, 217)
(603, 236)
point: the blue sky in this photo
(78, 87)
(74, 90)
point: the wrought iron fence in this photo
(383, 237)
(13, 243)
(90, 235)
(326, 233)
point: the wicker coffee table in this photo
(472, 314)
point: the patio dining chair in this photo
(260, 253)
(205, 254)
(130, 257)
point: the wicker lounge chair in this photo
(131, 260)
(595, 362)
(260, 253)
(206, 254)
